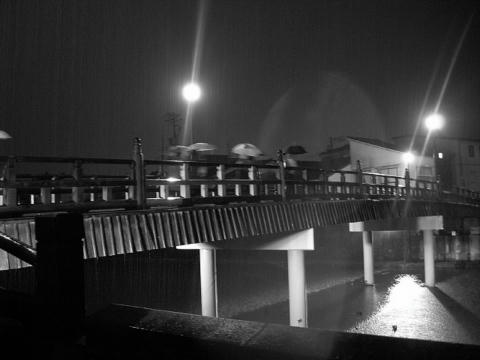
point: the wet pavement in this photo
(398, 305)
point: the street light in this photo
(434, 122)
(408, 158)
(191, 92)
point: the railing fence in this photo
(93, 183)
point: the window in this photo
(389, 171)
(424, 171)
(471, 151)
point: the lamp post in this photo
(434, 122)
(284, 159)
(191, 92)
(408, 158)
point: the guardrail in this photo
(38, 184)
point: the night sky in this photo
(82, 78)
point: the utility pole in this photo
(173, 119)
(171, 131)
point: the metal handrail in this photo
(19, 249)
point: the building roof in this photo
(376, 142)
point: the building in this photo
(375, 156)
(457, 159)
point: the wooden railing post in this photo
(374, 184)
(139, 173)
(45, 195)
(59, 274)
(238, 189)
(204, 190)
(164, 191)
(439, 189)
(281, 168)
(325, 182)
(252, 175)
(360, 185)
(386, 187)
(77, 191)
(107, 193)
(221, 189)
(407, 182)
(342, 185)
(184, 175)
(305, 179)
(10, 193)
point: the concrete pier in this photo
(367, 237)
(429, 257)
(297, 289)
(208, 282)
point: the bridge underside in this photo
(124, 232)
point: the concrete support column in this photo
(208, 282)
(429, 257)
(368, 257)
(296, 288)
(474, 238)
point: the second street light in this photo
(408, 158)
(433, 123)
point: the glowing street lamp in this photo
(191, 92)
(434, 122)
(408, 158)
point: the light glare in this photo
(434, 122)
(191, 92)
(172, 179)
(408, 157)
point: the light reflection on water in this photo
(404, 289)
(412, 310)
(399, 305)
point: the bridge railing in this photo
(42, 183)
(30, 184)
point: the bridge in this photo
(135, 205)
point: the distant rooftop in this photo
(376, 142)
(343, 147)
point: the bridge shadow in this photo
(463, 316)
(338, 307)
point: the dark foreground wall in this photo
(138, 333)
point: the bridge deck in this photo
(123, 232)
(136, 207)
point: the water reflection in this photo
(398, 305)
(404, 288)
(414, 311)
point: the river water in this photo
(398, 305)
